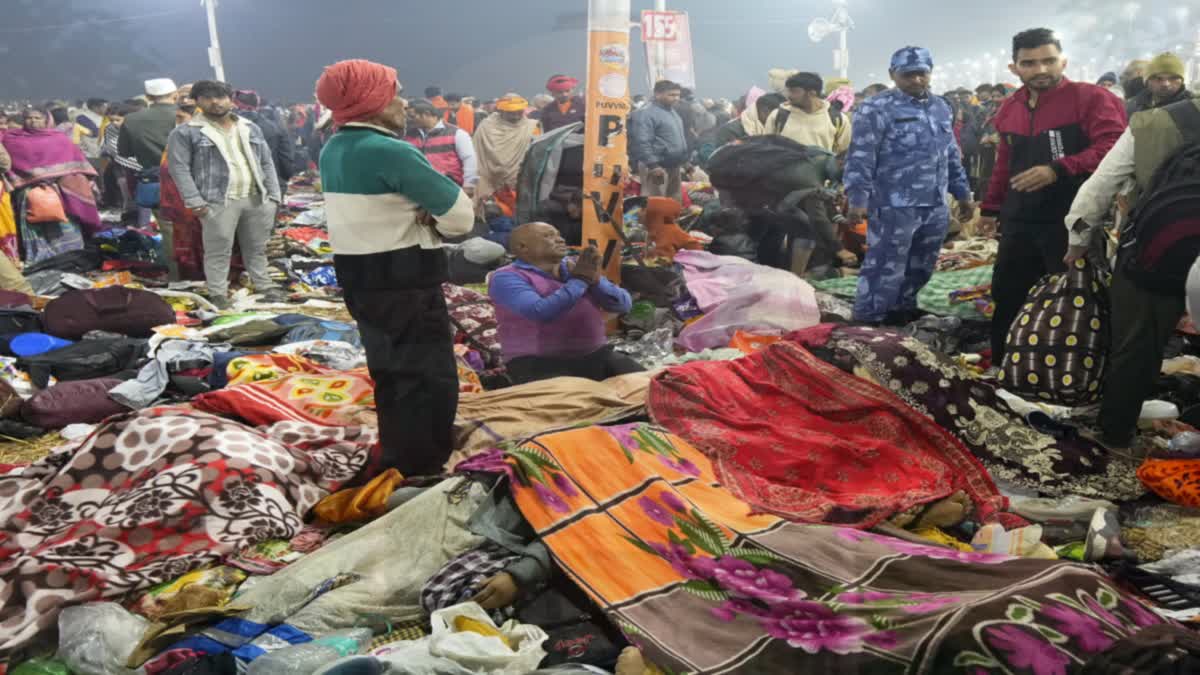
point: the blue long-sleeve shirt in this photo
(903, 153)
(515, 293)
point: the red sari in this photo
(798, 438)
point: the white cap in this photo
(162, 86)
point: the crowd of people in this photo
(806, 183)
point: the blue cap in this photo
(912, 60)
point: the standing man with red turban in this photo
(388, 210)
(565, 108)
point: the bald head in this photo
(538, 244)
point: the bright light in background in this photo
(1130, 10)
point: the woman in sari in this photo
(44, 157)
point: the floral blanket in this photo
(635, 517)
(269, 388)
(796, 437)
(1013, 451)
(150, 496)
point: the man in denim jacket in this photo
(226, 176)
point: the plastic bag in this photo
(1187, 442)
(412, 657)
(43, 205)
(40, 667)
(97, 638)
(652, 349)
(307, 658)
(483, 653)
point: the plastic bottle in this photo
(307, 658)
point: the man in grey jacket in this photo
(657, 143)
(226, 175)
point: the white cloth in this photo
(1095, 197)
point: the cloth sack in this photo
(578, 632)
(253, 333)
(330, 331)
(77, 402)
(351, 505)
(43, 205)
(116, 309)
(1058, 345)
(84, 360)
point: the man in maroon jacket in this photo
(566, 108)
(1053, 134)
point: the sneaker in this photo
(274, 295)
(221, 302)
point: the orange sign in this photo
(605, 164)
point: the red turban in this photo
(356, 89)
(561, 83)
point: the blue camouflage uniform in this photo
(903, 158)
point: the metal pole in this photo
(844, 56)
(214, 49)
(660, 47)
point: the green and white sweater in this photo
(375, 184)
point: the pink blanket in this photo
(736, 294)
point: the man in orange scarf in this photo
(458, 114)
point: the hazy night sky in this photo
(78, 48)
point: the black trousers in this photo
(599, 365)
(1027, 253)
(1142, 323)
(410, 353)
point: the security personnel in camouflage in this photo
(903, 158)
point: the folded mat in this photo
(699, 585)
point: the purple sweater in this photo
(539, 315)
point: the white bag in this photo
(97, 638)
(486, 654)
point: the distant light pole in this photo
(841, 22)
(1130, 10)
(214, 49)
(660, 46)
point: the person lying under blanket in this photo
(550, 310)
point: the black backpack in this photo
(86, 360)
(1161, 241)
